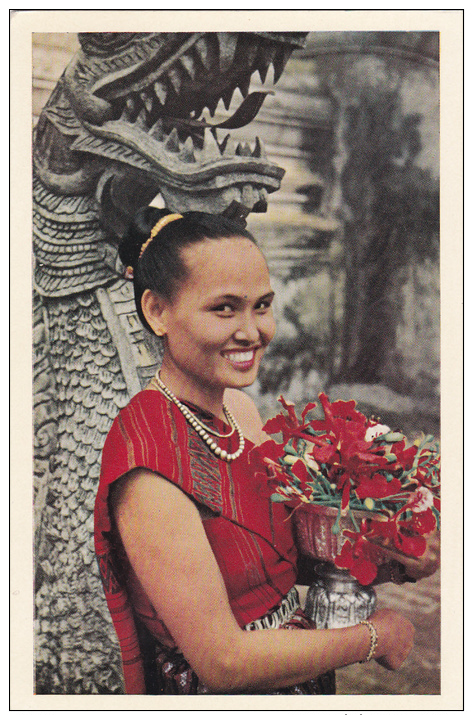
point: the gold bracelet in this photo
(373, 640)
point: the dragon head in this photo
(125, 121)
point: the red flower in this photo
(378, 487)
(268, 452)
(288, 425)
(342, 443)
(404, 455)
(395, 533)
(360, 557)
(423, 522)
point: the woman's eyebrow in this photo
(231, 296)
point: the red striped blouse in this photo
(250, 536)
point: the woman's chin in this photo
(241, 378)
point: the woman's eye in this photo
(224, 308)
(263, 305)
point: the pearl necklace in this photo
(202, 430)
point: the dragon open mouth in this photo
(147, 100)
(189, 72)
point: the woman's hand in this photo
(395, 638)
(428, 563)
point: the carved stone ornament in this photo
(122, 125)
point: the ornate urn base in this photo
(336, 599)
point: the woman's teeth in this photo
(241, 357)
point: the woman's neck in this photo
(210, 400)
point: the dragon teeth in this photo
(229, 148)
(266, 57)
(227, 97)
(147, 101)
(259, 150)
(243, 149)
(227, 45)
(250, 52)
(141, 119)
(280, 61)
(244, 85)
(203, 51)
(212, 105)
(143, 108)
(130, 110)
(175, 78)
(187, 154)
(188, 64)
(223, 145)
(269, 52)
(157, 130)
(211, 149)
(172, 142)
(263, 71)
(160, 92)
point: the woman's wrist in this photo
(373, 640)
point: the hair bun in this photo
(137, 233)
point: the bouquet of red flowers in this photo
(383, 494)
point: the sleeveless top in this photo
(251, 537)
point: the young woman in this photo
(198, 566)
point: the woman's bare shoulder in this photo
(246, 414)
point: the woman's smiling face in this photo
(218, 325)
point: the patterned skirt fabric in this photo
(172, 675)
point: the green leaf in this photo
(278, 497)
(389, 437)
(436, 513)
(336, 526)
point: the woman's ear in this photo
(152, 306)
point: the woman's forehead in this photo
(226, 256)
(226, 267)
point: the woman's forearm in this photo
(271, 659)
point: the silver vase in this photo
(336, 599)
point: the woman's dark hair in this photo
(161, 267)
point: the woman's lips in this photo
(241, 359)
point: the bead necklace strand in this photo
(202, 430)
(167, 392)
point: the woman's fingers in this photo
(428, 563)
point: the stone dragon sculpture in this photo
(122, 126)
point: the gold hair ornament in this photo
(157, 228)
(129, 272)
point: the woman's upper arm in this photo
(167, 547)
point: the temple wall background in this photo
(355, 268)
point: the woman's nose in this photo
(247, 330)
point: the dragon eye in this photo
(104, 43)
